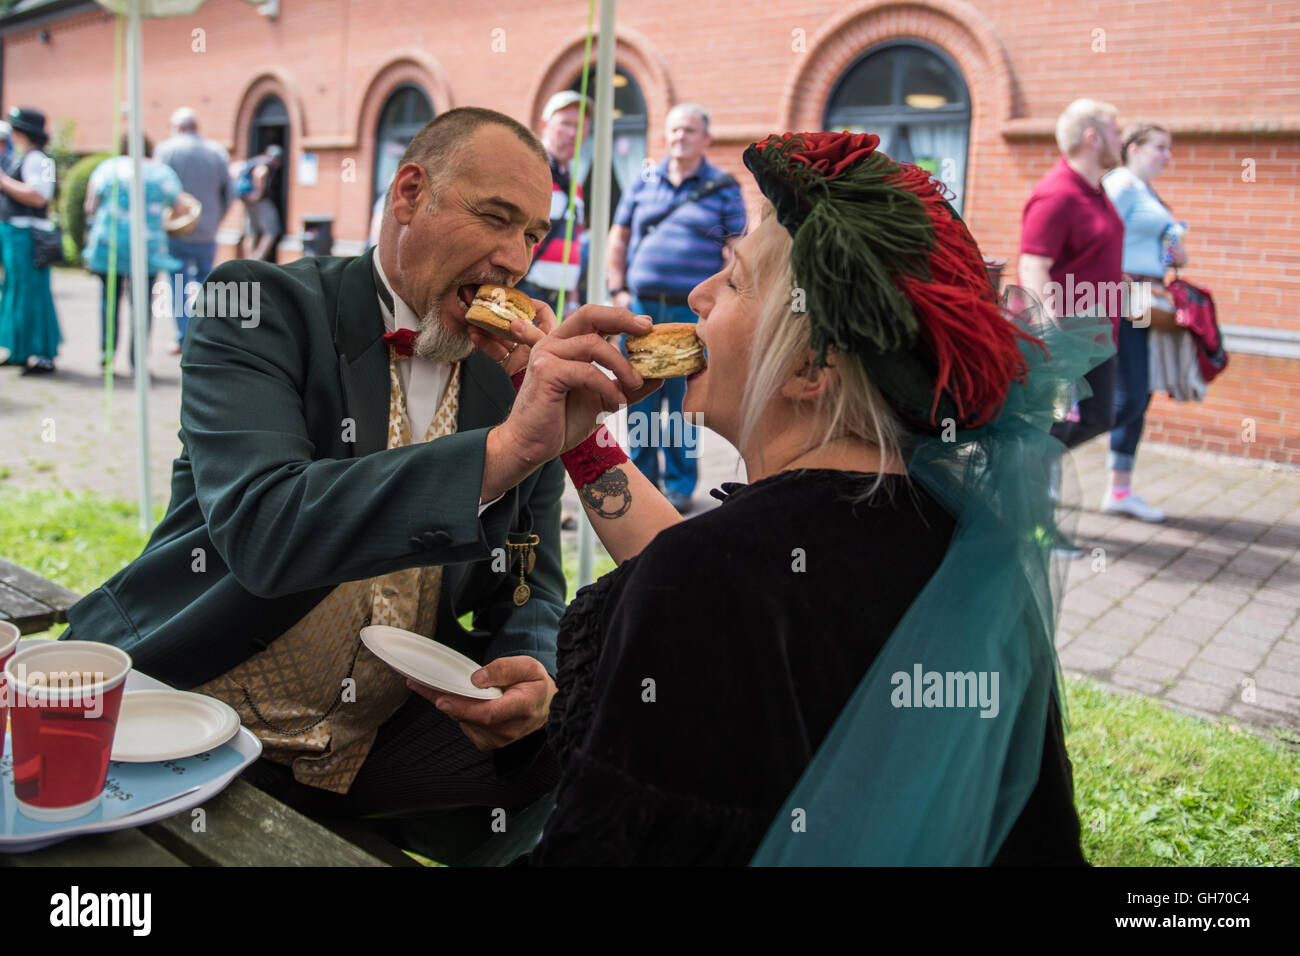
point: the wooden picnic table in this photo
(30, 601)
(242, 826)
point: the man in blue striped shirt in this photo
(673, 229)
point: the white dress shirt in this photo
(423, 381)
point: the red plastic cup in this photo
(9, 635)
(65, 699)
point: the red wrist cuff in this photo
(595, 456)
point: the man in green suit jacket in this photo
(285, 486)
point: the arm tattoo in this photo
(612, 484)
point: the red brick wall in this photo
(1252, 410)
(1224, 77)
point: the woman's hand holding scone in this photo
(563, 392)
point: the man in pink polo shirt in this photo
(1072, 247)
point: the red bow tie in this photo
(403, 341)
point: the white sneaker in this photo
(1134, 505)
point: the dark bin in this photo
(317, 235)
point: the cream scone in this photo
(496, 306)
(670, 350)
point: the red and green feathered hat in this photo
(891, 274)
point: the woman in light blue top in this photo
(1147, 224)
(161, 188)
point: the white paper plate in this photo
(170, 724)
(426, 661)
(244, 742)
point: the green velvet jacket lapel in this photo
(485, 395)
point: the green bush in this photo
(71, 212)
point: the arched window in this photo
(629, 140)
(270, 127)
(405, 112)
(913, 97)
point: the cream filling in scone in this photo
(501, 310)
(678, 354)
(650, 364)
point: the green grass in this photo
(1153, 787)
(78, 540)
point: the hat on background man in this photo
(30, 123)
(562, 99)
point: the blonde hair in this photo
(1079, 117)
(852, 407)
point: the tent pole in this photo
(140, 300)
(602, 139)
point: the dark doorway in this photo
(270, 127)
(629, 139)
(406, 111)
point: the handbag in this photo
(1155, 308)
(182, 218)
(1198, 316)
(47, 247)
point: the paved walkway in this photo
(1200, 612)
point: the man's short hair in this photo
(185, 120)
(1079, 117)
(437, 146)
(695, 109)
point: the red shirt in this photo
(549, 268)
(1074, 224)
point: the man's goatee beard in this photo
(437, 343)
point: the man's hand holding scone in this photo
(563, 392)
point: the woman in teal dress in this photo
(29, 327)
(108, 199)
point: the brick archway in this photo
(280, 83)
(633, 51)
(955, 26)
(275, 82)
(413, 66)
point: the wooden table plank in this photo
(30, 601)
(119, 848)
(28, 613)
(245, 827)
(33, 585)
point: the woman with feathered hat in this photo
(851, 660)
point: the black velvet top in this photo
(697, 680)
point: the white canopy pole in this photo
(602, 140)
(140, 302)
